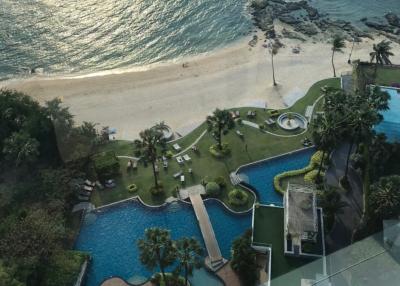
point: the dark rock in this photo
(364, 19)
(306, 28)
(393, 19)
(289, 19)
(379, 26)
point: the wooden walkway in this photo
(214, 254)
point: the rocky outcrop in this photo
(306, 20)
(393, 20)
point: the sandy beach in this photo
(238, 75)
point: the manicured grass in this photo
(388, 76)
(269, 230)
(254, 145)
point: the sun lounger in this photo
(187, 157)
(87, 188)
(237, 113)
(90, 183)
(179, 160)
(240, 134)
(165, 164)
(85, 193)
(270, 121)
(134, 164)
(177, 175)
(182, 179)
(83, 198)
(190, 171)
(194, 148)
(156, 168)
(176, 147)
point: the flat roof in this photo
(268, 229)
(301, 210)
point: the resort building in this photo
(301, 218)
(289, 235)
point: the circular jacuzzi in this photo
(292, 121)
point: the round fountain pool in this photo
(292, 121)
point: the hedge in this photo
(213, 189)
(238, 197)
(315, 159)
(220, 153)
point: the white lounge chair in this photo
(176, 147)
(177, 175)
(89, 183)
(179, 160)
(187, 157)
(87, 188)
(240, 134)
(165, 164)
(182, 179)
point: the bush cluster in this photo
(220, 153)
(213, 189)
(238, 197)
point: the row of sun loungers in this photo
(251, 114)
(182, 159)
(235, 114)
(270, 121)
(86, 191)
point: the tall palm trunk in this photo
(333, 64)
(153, 163)
(162, 268)
(273, 69)
(320, 164)
(348, 158)
(186, 275)
(219, 137)
(366, 184)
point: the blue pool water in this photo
(111, 235)
(390, 125)
(261, 176)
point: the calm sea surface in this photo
(57, 36)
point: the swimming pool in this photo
(390, 125)
(261, 175)
(110, 235)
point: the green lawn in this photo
(269, 230)
(255, 145)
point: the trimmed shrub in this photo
(132, 188)
(106, 165)
(220, 181)
(238, 197)
(316, 158)
(278, 178)
(213, 189)
(169, 154)
(311, 176)
(157, 191)
(220, 153)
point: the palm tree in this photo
(273, 51)
(60, 116)
(219, 121)
(188, 253)
(326, 133)
(331, 203)
(150, 140)
(381, 53)
(364, 116)
(385, 197)
(337, 45)
(21, 148)
(157, 249)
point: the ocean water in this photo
(75, 36)
(59, 36)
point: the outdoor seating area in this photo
(235, 114)
(85, 190)
(251, 113)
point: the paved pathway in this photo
(193, 190)
(214, 253)
(229, 276)
(345, 223)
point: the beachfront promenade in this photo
(214, 259)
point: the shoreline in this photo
(228, 77)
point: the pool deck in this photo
(214, 259)
(115, 281)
